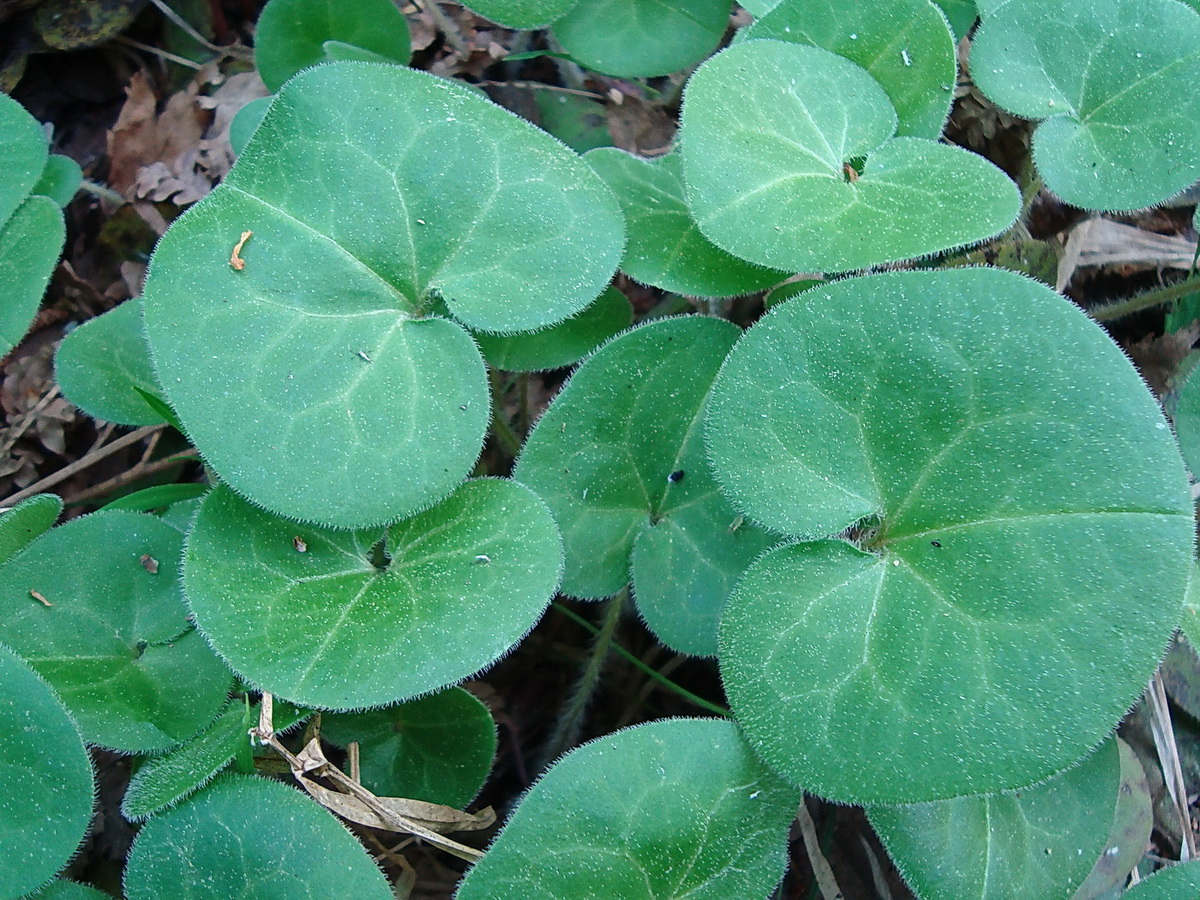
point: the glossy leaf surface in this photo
(325, 619)
(114, 639)
(254, 839)
(977, 434)
(1114, 83)
(314, 380)
(698, 816)
(774, 139)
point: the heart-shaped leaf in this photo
(1113, 81)
(906, 45)
(322, 617)
(665, 247)
(978, 438)
(292, 35)
(521, 13)
(95, 607)
(26, 521)
(642, 38)
(438, 749)
(313, 379)
(619, 458)
(250, 838)
(1040, 842)
(697, 816)
(46, 792)
(772, 139)
(102, 363)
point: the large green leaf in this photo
(28, 520)
(619, 457)
(30, 243)
(641, 38)
(906, 45)
(95, 607)
(329, 619)
(521, 13)
(1022, 521)
(438, 748)
(665, 247)
(314, 381)
(101, 364)
(1173, 883)
(46, 792)
(670, 809)
(1114, 82)
(1040, 842)
(774, 138)
(294, 34)
(249, 838)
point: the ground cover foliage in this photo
(599, 448)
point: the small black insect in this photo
(936, 543)
(675, 476)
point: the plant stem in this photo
(103, 192)
(641, 666)
(1145, 300)
(500, 426)
(822, 871)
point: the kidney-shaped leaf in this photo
(619, 457)
(95, 607)
(337, 620)
(1040, 842)
(1024, 520)
(313, 379)
(694, 815)
(46, 792)
(906, 45)
(1114, 81)
(250, 838)
(773, 138)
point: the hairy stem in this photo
(1145, 301)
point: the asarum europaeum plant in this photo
(929, 522)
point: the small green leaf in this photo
(60, 179)
(1039, 842)
(164, 780)
(961, 14)
(773, 137)
(696, 816)
(1172, 883)
(156, 497)
(28, 520)
(109, 630)
(320, 617)
(253, 839)
(973, 432)
(665, 247)
(246, 121)
(642, 38)
(23, 155)
(619, 458)
(314, 380)
(1191, 608)
(46, 793)
(1187, 421)
(438, 748)
(101, 365)
(521, 13)
(904, 44)
(30, 244)
(1113, 81)
(292, 35)
(579, 122)
(559, 345)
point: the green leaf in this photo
(156, 497)
(665, 247)
(1187, 421)
(46, 792)
(758, 8)
(438, 748)
(313, 381)
(696, 815)
(521, 13)
(905, 45)
(23, 155)
(961, 14)
(114, 641)
(1191, 608)
(642, 38)
(250, 838)
(320, 617)
(291, 35)
(1172, 883)
(28, 520)
(559, 345)
(60, 179)
(619, 458)
(101, 365)
(246, 121)
(30, 244)
(1114, 83)
(164, 780)
(1040, 842)
(769, 129)
(68, 890)
(979, 438)
(579, 122)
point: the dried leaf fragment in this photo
(235, 258)
(39, 598)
